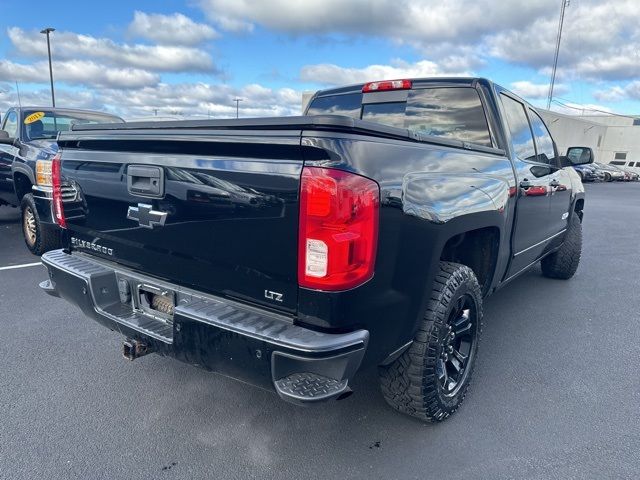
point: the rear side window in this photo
(617, 162)
(348, 105)
(544, 142)
(521, 136)
(11, 124)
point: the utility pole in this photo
(46, 32)
(18, 90)
(565, 4)
(237, 100)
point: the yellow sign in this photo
(34, 117)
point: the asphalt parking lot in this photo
(556, 392)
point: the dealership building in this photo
(614, 138)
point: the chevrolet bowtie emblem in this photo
(146, 216)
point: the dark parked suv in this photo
(587, 173)
(27, 144)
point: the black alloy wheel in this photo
(430, 379)
(457, 346)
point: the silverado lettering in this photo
(76, 242)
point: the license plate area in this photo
(155, 302)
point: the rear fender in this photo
(439, 198)
(451, 204)
(577, 193)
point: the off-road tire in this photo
(410, 384)
(564, 262)
(45, 239)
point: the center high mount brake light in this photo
(386, 85)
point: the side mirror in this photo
(580, 155)
(5, 139)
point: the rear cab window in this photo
(454, 113)
(348, 104)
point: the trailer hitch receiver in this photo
(132, 349)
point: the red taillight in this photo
(338, 229)
(56, 183)
(386, 85)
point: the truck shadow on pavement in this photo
(511, 380)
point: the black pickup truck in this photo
(27, 145)
(293, 252)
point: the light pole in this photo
(565, 4)
(47, 31)
(237, 100)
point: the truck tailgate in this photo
(213, 210)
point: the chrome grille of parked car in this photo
(69, 193)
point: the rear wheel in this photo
(607, 177)
(564, 262)
(37, 238)
(430, 380)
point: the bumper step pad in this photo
(310, 387)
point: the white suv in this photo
(632, 165)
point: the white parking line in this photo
(24, 265)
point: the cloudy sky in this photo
(193, 57)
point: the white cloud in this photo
(457, 37)
(599, 40)
(124, 78)
(66, 98)
(530, 90)
(77, 72)
(200, 99)
(623, 63)
(72, 46)
(335, 75)
(571, 108)
(185, 100)
(426, 20)
(630, 91)
(176, 29)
